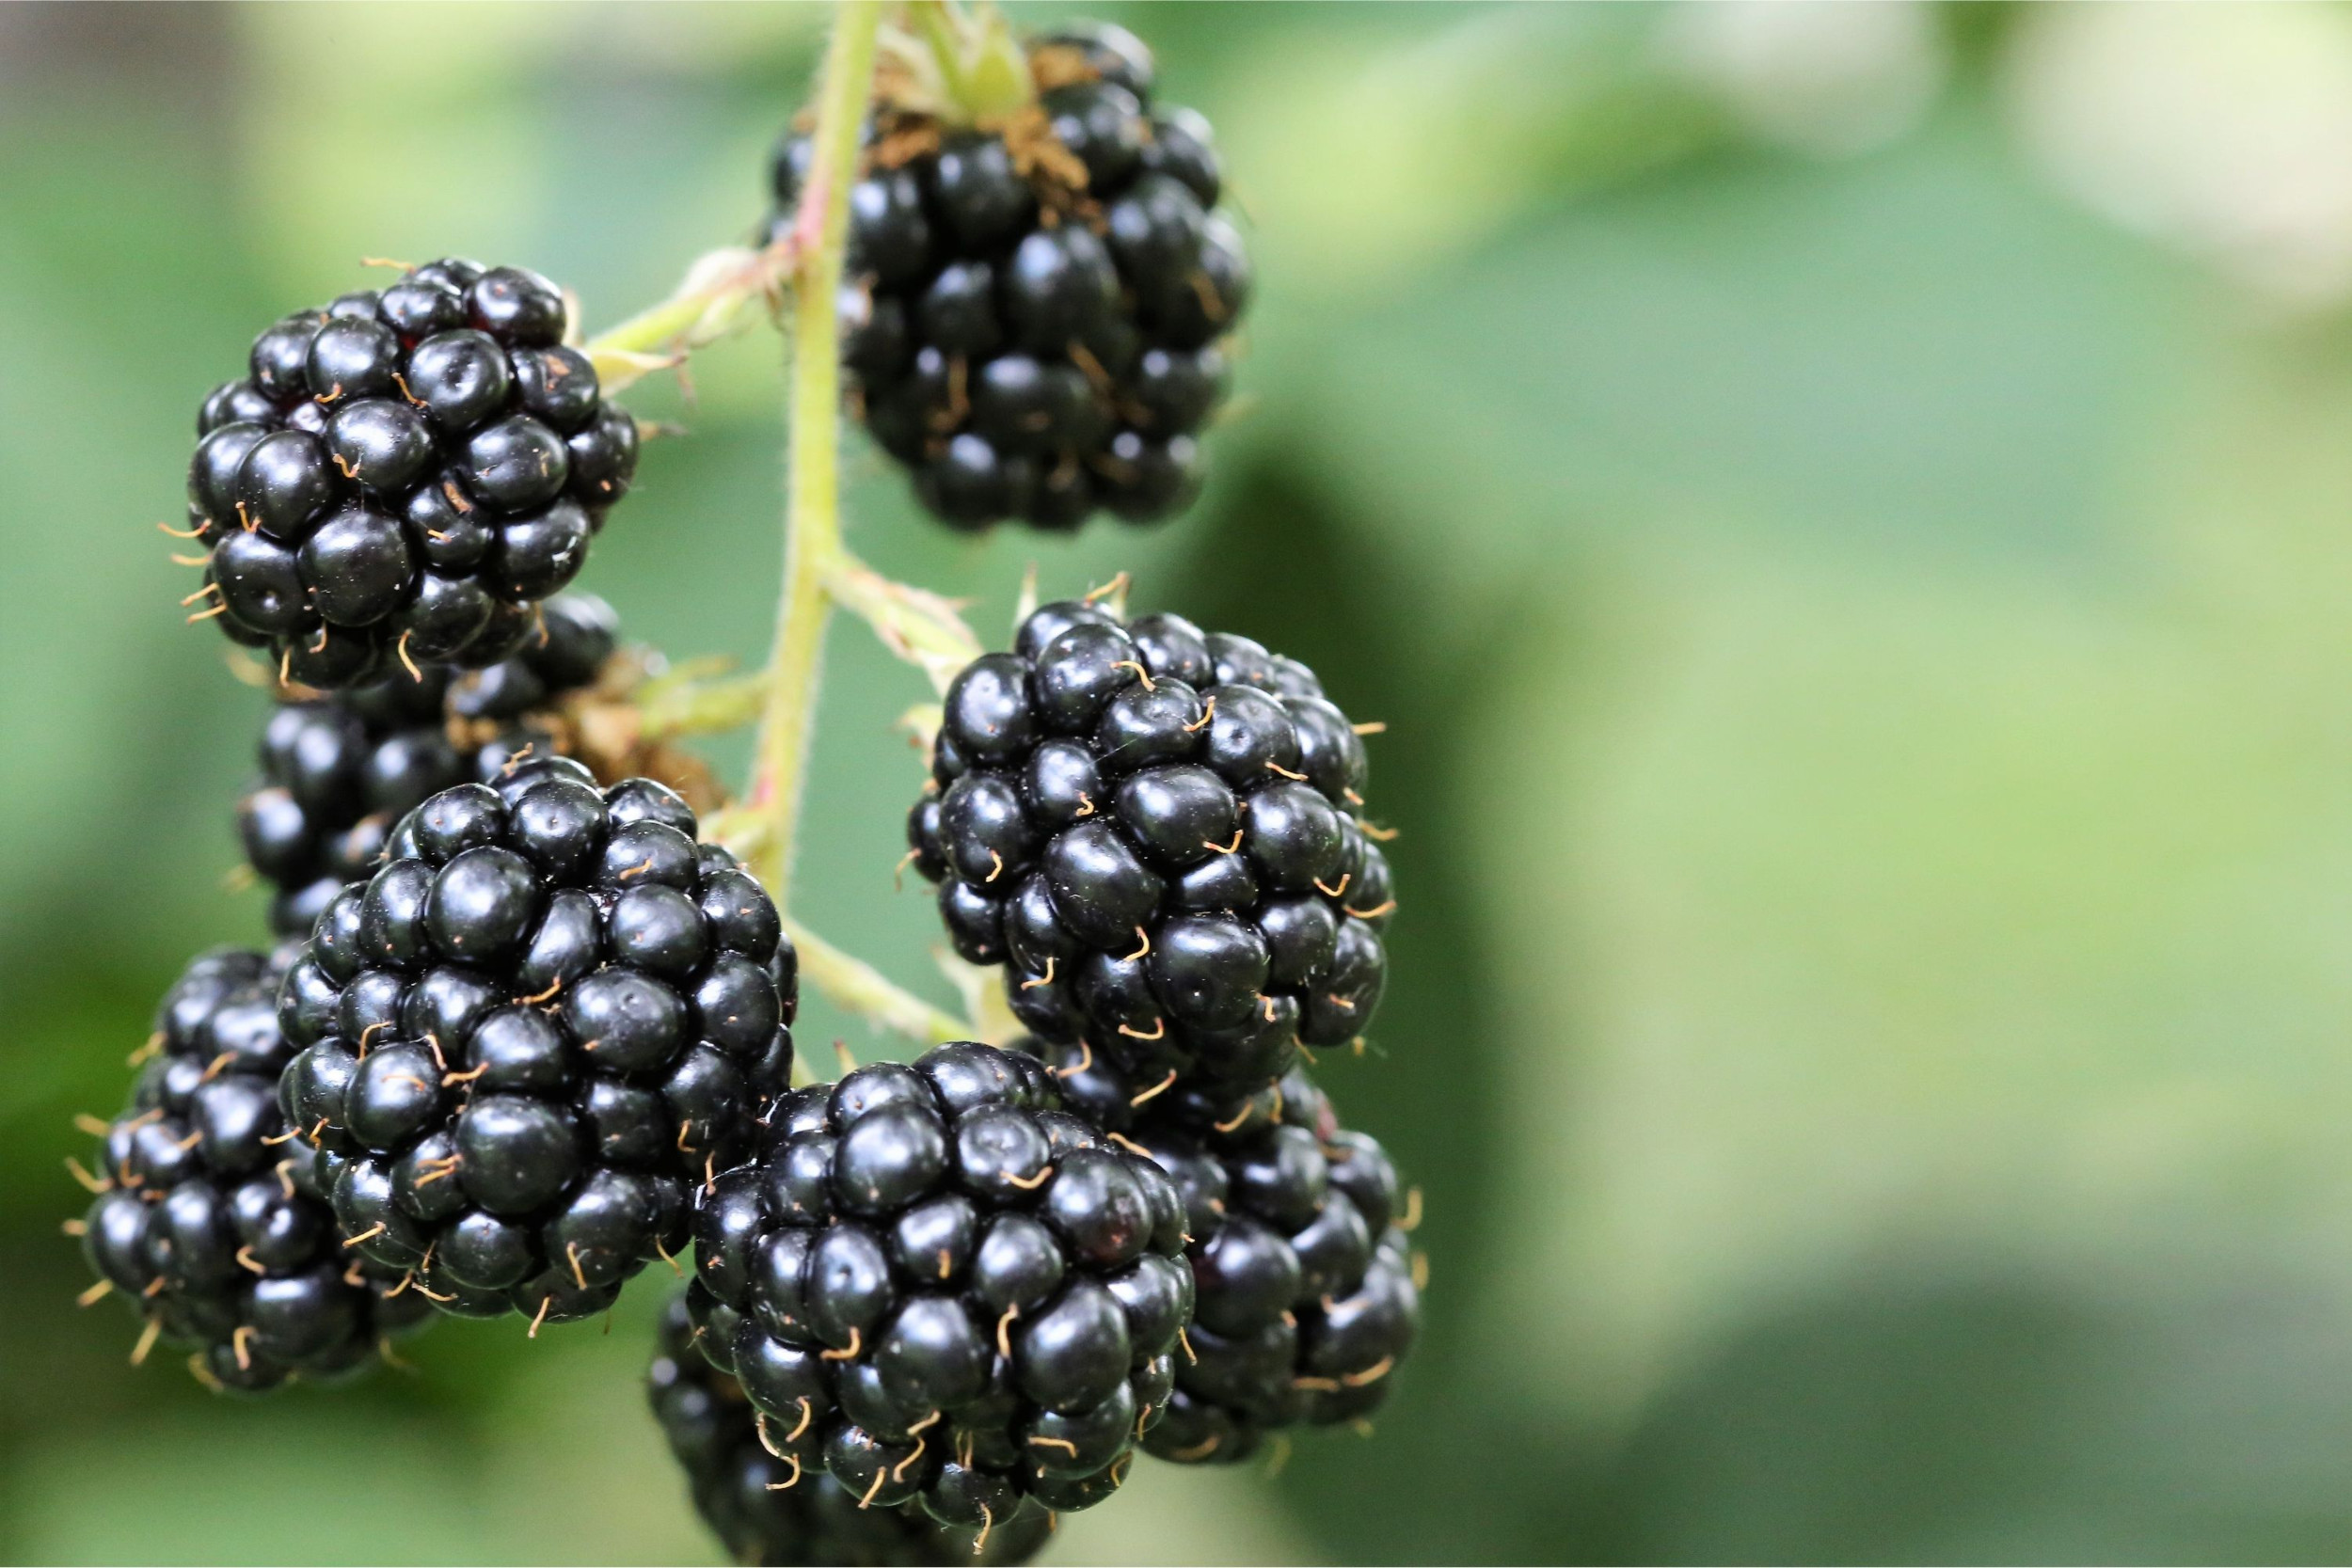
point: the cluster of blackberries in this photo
(208, 1219)
(530, 1032)
(527, 1040)
(338, 770)
(765, 1512)
(1155, 832)
(402, 474)
(1035, 310)
(937, 1287)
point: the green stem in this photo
(914, 623)
(812, 534)
(978, 69)
(947, 45)
(818, 570)
(712, 302)
(857, 986)
(698, 698)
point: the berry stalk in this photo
(820, 571)
(851, 982)
(710, 303)
(812, 534)
(968, 59)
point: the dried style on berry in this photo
(939, 1289)
(1037, 304)
(210, 1221)
(401, 475)
(762, 1514)
(338, 770)
(1154, 830)
(544, 1022)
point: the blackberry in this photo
(1308, 1292)
(1153, 831)
(211, 1220)
(339, 770)
(402, 474)
(547, 1019)
(937, 1287)
(1035, 322)
(751, 1501)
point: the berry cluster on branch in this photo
(527, 1029)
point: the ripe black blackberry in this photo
(209, 1220)
(1154, 830)
(1038, 300)
(544, 1022)
(338, 770)
(761, 1514)
(1308, 1292)
(402, 474)
(937, 1287)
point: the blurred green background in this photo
(1846, 512)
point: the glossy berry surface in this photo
(211, 1223)
(338, 770)
(761, 1514)
(1307, 1297)
(1036, 316)
(939, 1289)
(400, 476)
(547, 1018)
(1155, 832)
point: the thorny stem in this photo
(857, 986)
(812, 532)
(816, 565)
(819, 572)
(712, 302)
(914, 623)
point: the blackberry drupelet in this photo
(1308, 1291)
(1035, 319)
(402, 474)
(937, 1287)
(751, 1501)
(545, 1021)
(211, 1222)
(1154, 830)
(338, 770)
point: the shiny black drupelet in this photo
(548, 1018)
(938, 1288)
(1155, 832)
(402, 474)
(338, 770)
(1036, 315)
(750, 1500)
(211, 1223)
